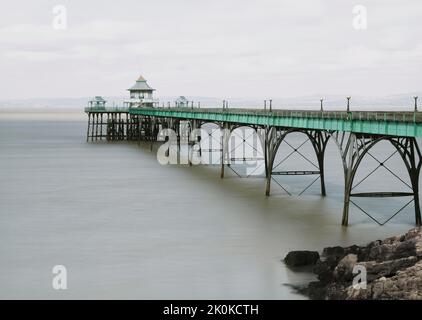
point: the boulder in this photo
(301, 258)
(344, 270)
(376, 270)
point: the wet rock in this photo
(392, 270)
(316, 290)
(324, 270)
(405, 285)
(376, 270)
(301, 258)
(343, 272)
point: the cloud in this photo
(213, 48)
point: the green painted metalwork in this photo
(405, 124)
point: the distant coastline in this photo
(56, 114)
(400, 102)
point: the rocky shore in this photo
(383, 269)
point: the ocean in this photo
(126, 227)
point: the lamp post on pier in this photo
(348, 103)
(321, 107)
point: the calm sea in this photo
(126, 227)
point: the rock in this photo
(406, 284)
(317, 291)
(324, 270)
(376, 270)
(331, 256)
(344, 270)
(334, 252)
(392, 269)
(301, 258)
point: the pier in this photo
(355, 133)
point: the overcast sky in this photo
(218, 48)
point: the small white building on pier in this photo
(97, 102)
(141, 94)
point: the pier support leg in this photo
(413, 159)
(108, 126)
(319, 140)
(266, 156)
(126, 126)
(418, 220)
(356, 146)
(101, 127)
(271, 146)
(321, 175)
(92, 127)
(273, 139)
(225, 135)
(191, 127)
(261, 133)
(88, 128)
(152, 132)
(139, 127)
(96, 126)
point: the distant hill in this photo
(401, 102)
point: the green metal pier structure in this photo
(355, 133)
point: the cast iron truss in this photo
(354, 147)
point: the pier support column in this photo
(192, 127)
(93, 127)
(273, 139)
(88, 128)
(225, 135)
(152, 132)
(96, 126)
(412, 157)
(141, 127)
(271, 147)
(101, 127)
(356, 146)
(319, 140)
(262, 136)
(348, 163)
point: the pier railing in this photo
(393, 116)
(390, 116)
(107, 109)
